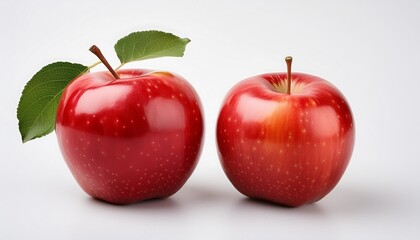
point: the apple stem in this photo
(95, 50)
(289, 73)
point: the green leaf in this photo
(38, 104)
(149, 44)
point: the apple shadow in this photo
(358, 200)
(202, 194)
(150, 205)
(311, 209)
(348, 201)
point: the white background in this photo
(368, 49)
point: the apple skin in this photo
(288, 149)
(131, 139)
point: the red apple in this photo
(289, 147)
(129, 139)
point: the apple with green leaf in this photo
(285, 137)
(126, 135)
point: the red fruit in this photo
(129, 139)
(290, 149)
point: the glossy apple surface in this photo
(131, 139)
(289, 149)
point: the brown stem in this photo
(95, 50)
(289, 73)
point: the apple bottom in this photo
(127, 170)
(287, 177)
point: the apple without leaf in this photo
(285, 137)
(130, 135)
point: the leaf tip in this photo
(24, 137)
(25, 140)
